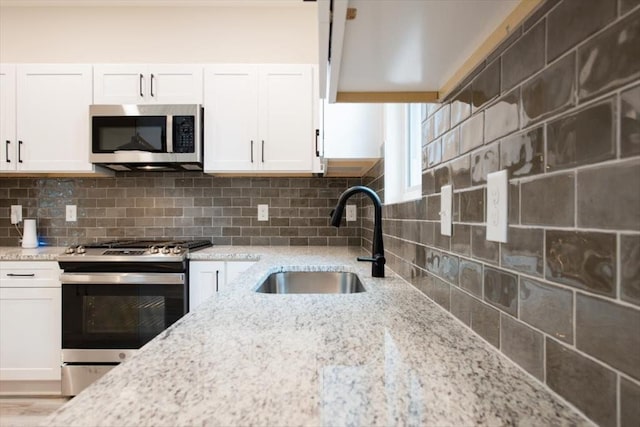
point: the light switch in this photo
(497, 207)
(446, 209)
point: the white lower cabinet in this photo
(209, 277)
(30, 327)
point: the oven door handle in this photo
(123, 278)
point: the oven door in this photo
(118, 311)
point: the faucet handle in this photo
(376, 258)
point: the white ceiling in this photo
(413, 45)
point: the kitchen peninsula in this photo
(387, 356)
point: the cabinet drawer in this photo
(28, 274)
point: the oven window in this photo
(117, 316)
(141, 133)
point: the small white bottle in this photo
(29, 236)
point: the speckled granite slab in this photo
(388, 356)
(47, 253)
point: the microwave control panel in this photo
(184, 134)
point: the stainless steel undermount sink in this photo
(311, 282)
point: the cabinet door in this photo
(235, 269)
(286, 130)
(30, 333)
(9, 145)
(231, 118)
(175, 84)
(120, 84)
(205, 279)
(53, 117)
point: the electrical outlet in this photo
(263, 212)
(71, 213)
(16, 214)
(446, 209)
(497, 208)
(351, 213)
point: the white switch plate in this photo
(446, 209)
(71, 213)
(263, 212)
(16, 214)
(497, 207)
(351, 213)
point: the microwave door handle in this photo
(169, 134)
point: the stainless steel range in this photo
(117, 296)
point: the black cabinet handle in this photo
(19, 151)
(252, 151)
(217, 279)
(317, 135)
(152, 85)
(6, 150)
(141, 81)
(21, 275)
(263, 151)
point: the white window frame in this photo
(403, 148)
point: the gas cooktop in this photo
(140, 250)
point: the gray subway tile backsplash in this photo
(582, 138)
(522, 344)
(610, 59)
(551, 91)
(609, 332)
(472, 133)
(630, 268)
(502, 117)
(523, 154)
(603, 199)
(486, 86)
(573, 20)
(524, 57)
(524, 250)
(501, 290)
(548, 308)
(588, 385)
(548, 200)
(630, 122)
(585, 260)
(629, 408)
(177, 205)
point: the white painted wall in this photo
(196, 34)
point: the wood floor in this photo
(27, 411)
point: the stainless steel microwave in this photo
(147, 137)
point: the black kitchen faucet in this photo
(377, 253)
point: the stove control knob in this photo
(80, 249)
(153, 250)
(177, 250)
(165, 250)
(70, 250)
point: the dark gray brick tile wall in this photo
(562, 297)
(179, 205)
(590, 386)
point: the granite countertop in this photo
(43, 253)
(388, 356)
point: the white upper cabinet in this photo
(45, 118)
(147, 84)
(259, 118)
(9, 150)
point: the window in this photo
(403, 148)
